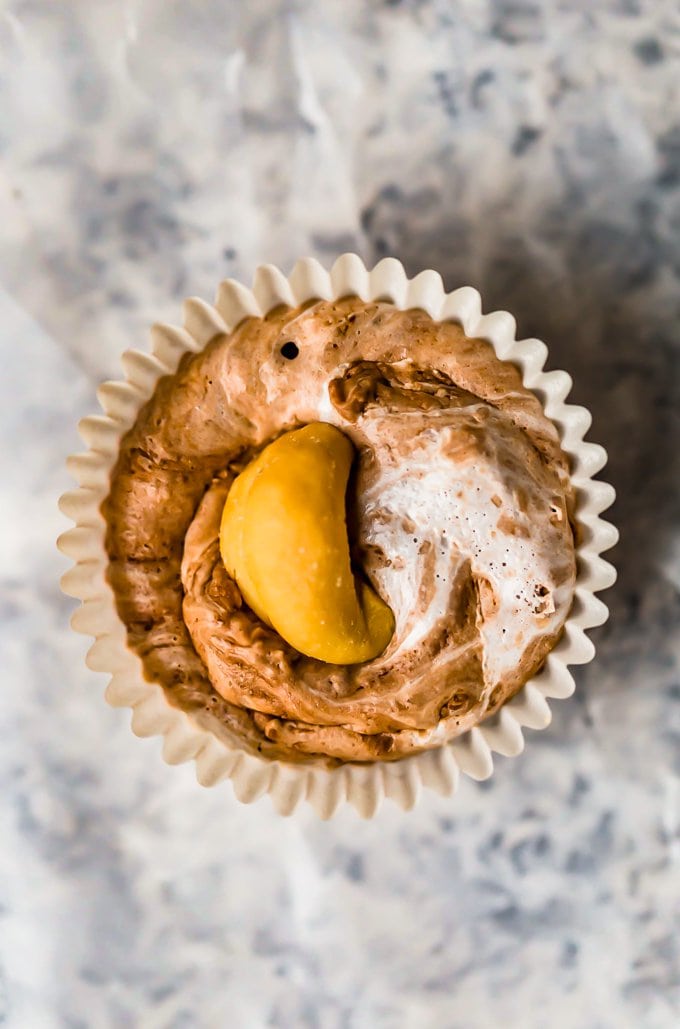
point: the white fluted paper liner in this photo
(189, 736)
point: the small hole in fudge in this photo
(290, 350)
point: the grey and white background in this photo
(149, 149)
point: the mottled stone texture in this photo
(532, 149)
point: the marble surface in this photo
(148, 150)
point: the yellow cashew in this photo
(283, 538)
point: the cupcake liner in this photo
(195, 736)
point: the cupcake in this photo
(341, 536)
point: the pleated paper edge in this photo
(362, 786)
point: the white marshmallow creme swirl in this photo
(459, 488)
